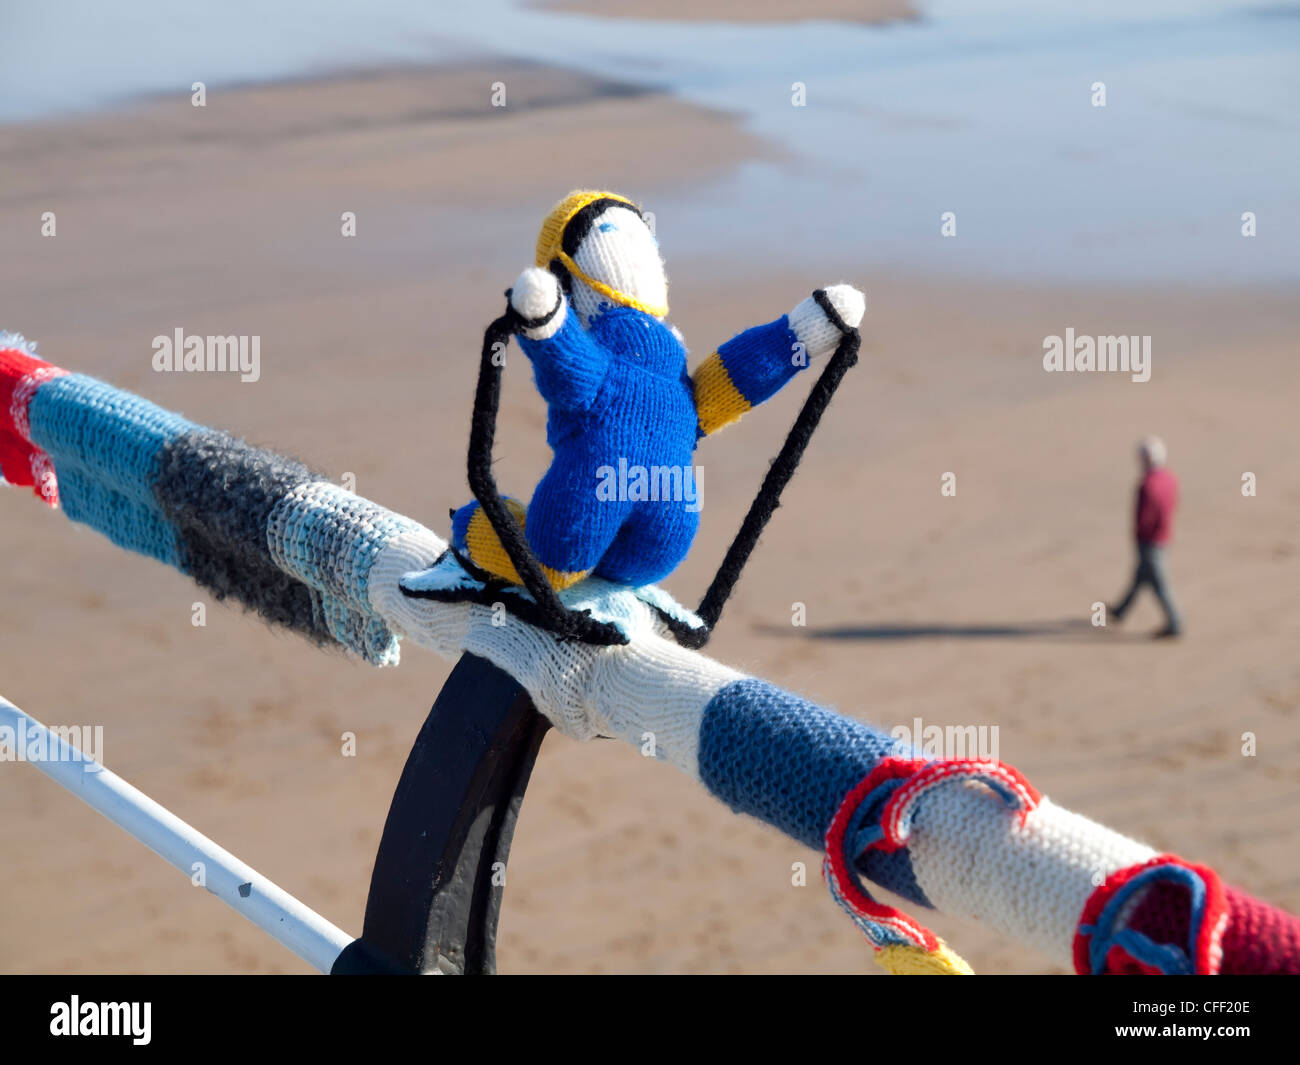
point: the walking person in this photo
(1157, 499)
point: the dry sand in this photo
(227, 221)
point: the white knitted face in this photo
(621, 252)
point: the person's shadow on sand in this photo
(1070, 630)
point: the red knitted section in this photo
(1163, 913)
(21, 463)
(1259, 939)
(1239, 935)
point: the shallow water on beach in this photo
(984, 109)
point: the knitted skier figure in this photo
(613, 373)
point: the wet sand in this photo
(872, 11)
(953, 609)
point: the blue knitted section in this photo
(789, 762)
(760, 361)
(364, 633)
(460, 522)
(329, 539)
(105, 445)
(135, 526)
(113, 434)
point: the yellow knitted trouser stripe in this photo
(718, 402)
(907, 960)
(486, 551)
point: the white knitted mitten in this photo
(536, 296)
(817, 333)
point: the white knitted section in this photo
(534, 295)
(1030, 882)
(815, 331)
(587, 302)
(649, 686)
(44, 477)
(621, 252)
(654, 690)
(22, 397)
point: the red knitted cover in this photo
(1258, 939)
(21, 463)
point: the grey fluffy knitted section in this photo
(219, 492)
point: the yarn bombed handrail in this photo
(973, 839)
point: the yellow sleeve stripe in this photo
(485, 550)
(718, 402)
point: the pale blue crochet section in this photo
(329, 538)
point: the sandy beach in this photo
(965, 609)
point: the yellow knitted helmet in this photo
(551, 251)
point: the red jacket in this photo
(1157, 499)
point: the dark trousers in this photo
(1151, 571)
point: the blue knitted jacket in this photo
(618, 389)
(620, 399)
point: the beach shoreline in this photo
(874, 12)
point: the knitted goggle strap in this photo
(610, 293)
(877, 815)
(554, 615)
(1127, 922)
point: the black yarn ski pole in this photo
(487, 399)
(783, 466)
